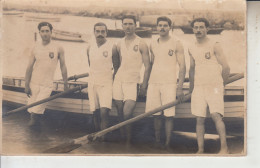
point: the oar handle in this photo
(156, 110)
(48, 99)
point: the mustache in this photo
(162, 30)
(100, 36)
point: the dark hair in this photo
(129, 17)
(200, 20)
(100, 24)
(164, 18)
(40, 25)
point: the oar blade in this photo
(63, 148)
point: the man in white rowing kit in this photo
(40, 72)
(166, 52)
(101, 76)
(133, 53)
(209, 72)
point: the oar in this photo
(188, 80)
(76, 143)
(47, 99)
(76, 77)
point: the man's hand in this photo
(180, 95)
(28, 91)
(143, 89)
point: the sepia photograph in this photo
(124, 77)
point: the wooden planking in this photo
(58, 85)
(232, 109)
(85, 101)
(14, 99)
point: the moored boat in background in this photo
(42, 18)
(66, 36)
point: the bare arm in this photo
(222, 61)
(182, 69)
(63, 68)
(191, 72)
(28, 74)
(88, 56)
(152, 56)
(146, 60)
(115, 59)
(181, 62)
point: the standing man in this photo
(209, 72)
(166, 52)
(101, 76)
(132, 53)
(40, 72)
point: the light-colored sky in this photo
(174, 4)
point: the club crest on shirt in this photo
(207, 55)
(105, 53)
(51, 55)
(136, 48)
(170, 53)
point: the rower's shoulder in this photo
(56, 45)
(191, 43)
(154, 42)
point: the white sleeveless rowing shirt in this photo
(101, 63)
(164, 66)
(207, 69)
(46, 59)
(131, 63)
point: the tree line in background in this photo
(229, 20)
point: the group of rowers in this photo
(115, 74)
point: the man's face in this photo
(200, 30)
(100, 32)
(129, 26)
(45, 33)
(163, 28)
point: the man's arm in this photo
(88, 55)
(191, 72)
(115, 59)
(63, 68)
(182, 69)
(222, 61)
(147, 65)
(28, 74)
(152, 56)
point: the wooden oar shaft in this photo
(76, 143)
(75, 77)
(188, 80)
(139, 117)
(156, 110)
(48, 99)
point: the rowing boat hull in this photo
(13, 94)
(67, 36)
